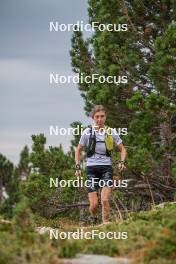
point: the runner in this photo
(98, 141)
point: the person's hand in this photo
(78, 170)
(121, 166)
(78, 173)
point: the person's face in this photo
(99, 118)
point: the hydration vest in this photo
(92, 143)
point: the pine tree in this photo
(146, 105)
(6, 172)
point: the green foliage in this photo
(174, 172)
(77, 126)
(146, 104)
(8, 180)
(25, 246)
(50, 161)
(6, 171)
(69, 249)
(22, 217)
(150, 232)
(162, 70)
(24, 160)
(38, 192)
(103, 248)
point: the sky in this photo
(29, 104)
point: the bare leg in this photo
(105, 195)
(93, 200)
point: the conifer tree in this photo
(146, 105)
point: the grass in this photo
(151, 240)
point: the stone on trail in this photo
(96, 259)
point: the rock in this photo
(96, 259)
(43, 229)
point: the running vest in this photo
(92, 142)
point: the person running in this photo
(98, 144)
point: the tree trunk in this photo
(165, 137)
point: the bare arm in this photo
(123, 152)
(78, 154)
(78, 158)
(78, 150)
(123, 155)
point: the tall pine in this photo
(146, 105)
